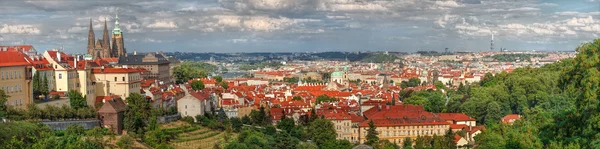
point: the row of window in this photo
(407, 133)
(412, 127)
(134, 85)
(130, 78)
(11, 74)
(15, 102)
(11, 89)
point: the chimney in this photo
(58, 56)
(75, 63)
(102, 69)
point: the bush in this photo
(125, 142)
(56, 97)
(188, 119)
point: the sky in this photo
(305, 25)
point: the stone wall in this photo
(62, 125)
(168, 118)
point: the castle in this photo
(106, 48)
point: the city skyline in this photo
(306, 25)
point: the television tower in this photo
(492, 43)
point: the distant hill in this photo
(379, 58)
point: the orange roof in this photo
(21, 48)
(457, 138)
(455, 117)
(115, 70)
(13, 58)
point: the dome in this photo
(337, 74)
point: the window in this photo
(60, 76)
(123, 78)
(3, 75)
(115, 79)
(185, 106)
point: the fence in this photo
(62, 125)
(168, 118)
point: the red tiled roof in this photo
(455, 117)
(457, 138)
(13, 58)
(106, 98)
(21, 48)
(115, 70)
(507, 118)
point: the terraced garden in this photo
(193, 136)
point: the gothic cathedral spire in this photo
(118, 45)
(91, 38)
(105, 40)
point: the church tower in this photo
(118, 47)
(91, 39)
(105, 39)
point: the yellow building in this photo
(15, 78)
(71, 73)
(395, 123)
(117, 81)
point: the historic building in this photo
(106, 48)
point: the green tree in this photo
(197, 85)
(137, 110)
(321, 131)
(76, 100)
(419, 143)
(412, 82)
(371, 137)
(236, 124)
(286, 124)
(337, 144)
(36, 83)
(297, 98)
(581, 78)
(224, 85)
(219, 79)
(407, 143)
(493, 113)
(435, 102)
(44, 87)
(246, 120)
(283, 140)
(324, 98)
(3, 105)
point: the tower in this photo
(492, 43)
(118, 47)
(105, 38)
(91, 39)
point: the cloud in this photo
(447, 3)
(162, 24)
(19, 29)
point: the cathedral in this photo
(106, 48)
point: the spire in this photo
(105, 40)
(117, 29)
(91, 40)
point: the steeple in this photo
(91, 38)
(105, 40)
(117, 29)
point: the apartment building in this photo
(157, 64)
(395, 123)
(117, 81)
(15, 78)
(71, 73)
